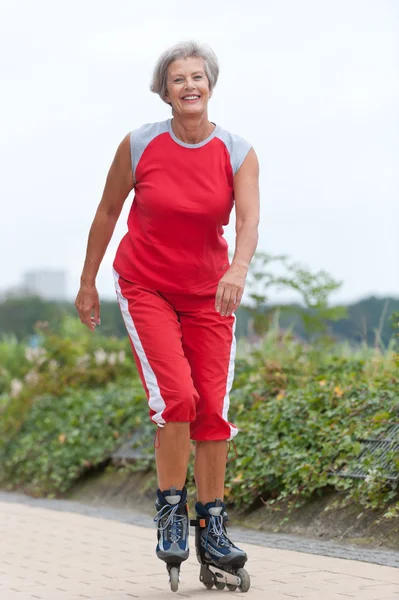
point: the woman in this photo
(176, 289)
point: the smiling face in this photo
(188, 86)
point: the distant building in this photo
(48, 284)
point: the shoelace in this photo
(173, 520)
(215, 527)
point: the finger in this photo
(238, 299)
(86, 318)
(89, 323)
(225, 301)
(219, 297)
(232, 302)
(97, 313)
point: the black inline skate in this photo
(222, 563)
(173, 525)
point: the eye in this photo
(198, 77)
(178, 80)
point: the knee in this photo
(180, 409)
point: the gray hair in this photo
(181, 51)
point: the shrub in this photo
(300, 409)
(62, 437)
(77, 359)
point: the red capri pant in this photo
(184, 351)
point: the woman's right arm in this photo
(118, 185)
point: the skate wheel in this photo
(206, 577)
(174, 579)
(244, 579)
(231, 587)
(219, 585)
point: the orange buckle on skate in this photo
(202, 522)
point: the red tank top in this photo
(183, 198)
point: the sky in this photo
(313, 86)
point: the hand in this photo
(88, 305)
(230, 290)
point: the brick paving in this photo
(48, 554)
(388, 558)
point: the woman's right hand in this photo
(88, 305)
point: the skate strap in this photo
(200, 522)
(204, 521)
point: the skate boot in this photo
(172, 521)
(221, 561)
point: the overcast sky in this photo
(312, 84)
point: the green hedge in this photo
(300, 411)
(298, 428)
(62, 438)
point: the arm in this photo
(118, 185)
(246, 193)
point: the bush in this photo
(300, 411)
(64, 436)
(76, 359)
(301, 421)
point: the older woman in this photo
(178, 292)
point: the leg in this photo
(209, 345)
(156, 339)
(210, 469)
(172, 455)
(221, 560)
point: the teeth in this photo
(190, 97)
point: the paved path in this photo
(385, 557)
(52, 555)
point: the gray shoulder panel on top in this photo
(140, 138)
(238, 148)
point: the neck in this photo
(192, 130)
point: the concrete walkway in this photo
(52, 555)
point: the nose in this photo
(189, 84)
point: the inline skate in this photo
(222, 563)
(173, 525)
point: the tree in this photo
(314, 290)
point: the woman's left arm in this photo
(246, 193)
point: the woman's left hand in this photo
(230, 290)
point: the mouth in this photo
(191, 98)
